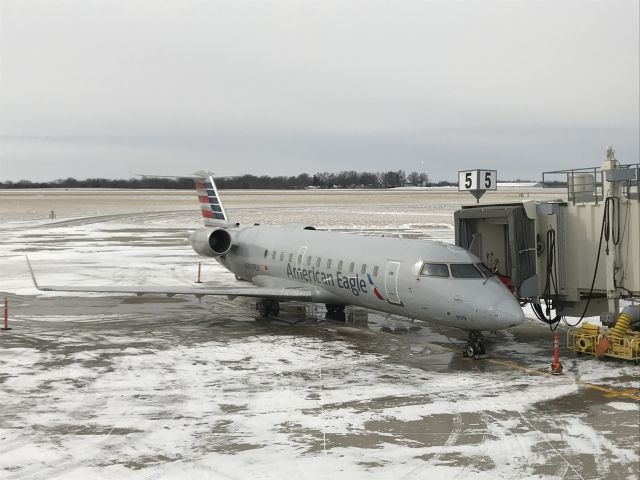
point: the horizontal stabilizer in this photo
(211, 207)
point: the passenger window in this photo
(329, 263)
(318, 262)
(309, 260)
(340, 266)
(299, 259)
(465, 270)
(363, 270)
(290, 257)
(351, 266)
(282, 256)
(273, 255)
(375, 271)
(266, 252)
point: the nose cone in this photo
(509, 313)
(498, 306)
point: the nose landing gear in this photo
(475, 345)
(268, 308)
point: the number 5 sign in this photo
(477, 181)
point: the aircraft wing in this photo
(232, 292)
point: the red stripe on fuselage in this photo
(207, 213)
(203, 199)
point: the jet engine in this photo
(211, 242)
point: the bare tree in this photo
(414, 179)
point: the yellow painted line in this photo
(515, 366)
(631, 393)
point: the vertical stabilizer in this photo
(213, 212)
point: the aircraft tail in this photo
(213, 212)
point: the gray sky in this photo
(110, 89)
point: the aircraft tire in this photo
(275, 309)
(332, 308)
(264, 309)
(470, 350)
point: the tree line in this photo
(344, 179)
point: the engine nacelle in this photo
(211, 242)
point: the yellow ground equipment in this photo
(619, 342)
(623, 342)
(583, 339)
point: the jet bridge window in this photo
(435, 270)
(465, 270)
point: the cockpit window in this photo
(435, 270)
(485, 270)
(465, 270)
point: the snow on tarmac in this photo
(272, 406)
(98, 386)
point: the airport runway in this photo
(100, 386)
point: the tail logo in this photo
(209, 199)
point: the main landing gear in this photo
(475, 344)
(331, 308)
(268, 308)
(335, 312)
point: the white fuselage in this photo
(379, 273)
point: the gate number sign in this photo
(477, 180)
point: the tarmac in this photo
(108, 386)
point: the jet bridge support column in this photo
(612, 262)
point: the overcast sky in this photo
(110, 89)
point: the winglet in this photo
(33, 275)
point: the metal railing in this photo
(590, 191)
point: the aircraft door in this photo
(391, 283)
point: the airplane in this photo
(421, 279)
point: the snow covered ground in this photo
(99, 386)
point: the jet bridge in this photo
(576, 257)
